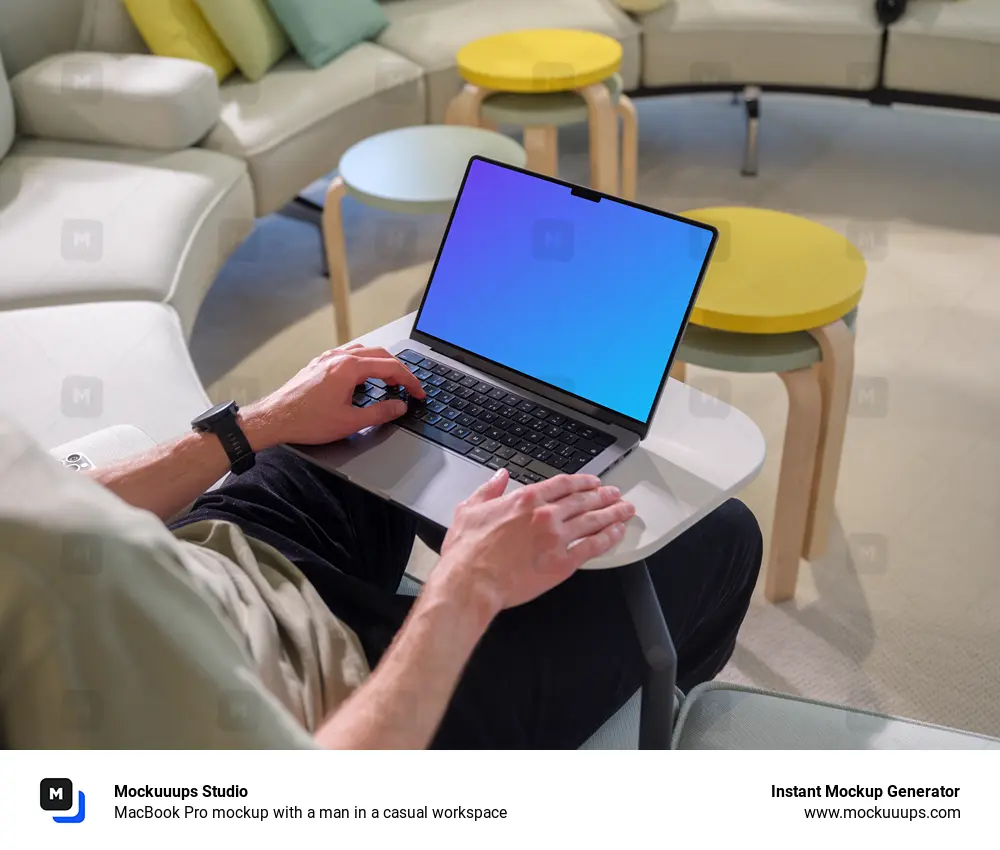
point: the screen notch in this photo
(586, 194)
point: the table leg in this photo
(798, 460)
(630, 146)
(336, 258)
(542, 146)
(603, 120)
(836, 374)
(465, 106)
(656, 719)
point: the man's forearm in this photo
(170, 476)
(404, 700)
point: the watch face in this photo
(214, 414)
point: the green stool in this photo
(541, 116)
(411, 170)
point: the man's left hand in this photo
(316, 407)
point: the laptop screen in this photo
(586, 296)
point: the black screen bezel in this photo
(526, 382)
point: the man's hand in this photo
(506, 550)
(315, 406)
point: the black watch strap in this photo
(221, 420)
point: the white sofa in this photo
(113, 224)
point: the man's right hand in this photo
(507, 550)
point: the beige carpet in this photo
(903, 614)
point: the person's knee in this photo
(737, 524)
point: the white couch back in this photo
(6, 114)
(30, 30)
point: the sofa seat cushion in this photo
(292, 125)
(430, 32)
(93, 223)
(84, 367)
(716, 716)
(762, 42)
(946, 48)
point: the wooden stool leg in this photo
(836, 375)
(336, 257)
(542, 145)
(678, 370)
(797, 463)
(603, 119)
(630, 146)
(464, 106)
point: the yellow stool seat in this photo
(536, 61)
(776, 273)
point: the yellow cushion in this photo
(177, 28)
(775, 273)
(533, 61)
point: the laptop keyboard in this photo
(488, 424)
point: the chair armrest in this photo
(153, 102)
(104, 447)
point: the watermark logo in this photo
(552, 240)
(82, 240)
(84, 80)
(712, 402)
(238, 711)
(870, 553)
(56, 795)
(871, 238)
(82, 397)
(869, 397)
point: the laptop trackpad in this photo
(405, 469)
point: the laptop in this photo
(544, 340)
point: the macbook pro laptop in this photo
(544, 341)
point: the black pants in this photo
(546, 674)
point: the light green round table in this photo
(410, 170)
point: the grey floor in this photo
(903, 613)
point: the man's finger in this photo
(492, 489)
(389, 370)
(583, 501)
(377, 414)
(590, 523)
(561, 486)
(588, 548)
(351, 346)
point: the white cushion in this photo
(716, 716)
(763, 42)
(93, 223)
(154, 102)
(946, 48)
(292, 125)
(430, 32)
(106, 447)
(85, 367)
(6, 114)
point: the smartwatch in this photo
(221, 421)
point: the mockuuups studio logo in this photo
(56, 795)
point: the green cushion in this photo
(321, 31)
(248, 31)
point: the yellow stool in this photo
(780, 296)
(546, 62)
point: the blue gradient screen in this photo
(588, 297)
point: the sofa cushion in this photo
(430, 32)
(177, 28)
(716, 716)
(150, 102)
(249, 32)
(6, 114)
(321, 32)
(91, 366)
(96, 223)
(33, 29)
(762, 42)
(292, 125)
(107, 27)
(946, 48)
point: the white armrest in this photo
(104, 447)
(153, 102)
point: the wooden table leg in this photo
(836, 375)
(630, 146)
(464, 108)
(603, 119)
(798, 460)
(336, 257)
(542, 146)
